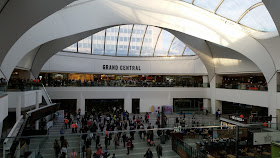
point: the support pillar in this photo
(37, 107)
(205, 81)
(18, 108)
(237, 141)
(219, 106)
(81, 104)
(272, 92)
(128, 105)
(216, 81)
(207, 105)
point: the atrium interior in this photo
(127, 78)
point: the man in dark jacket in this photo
(148, 154)
(159, 150)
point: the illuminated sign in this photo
(122, 67)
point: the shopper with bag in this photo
(128, 145)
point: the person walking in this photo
(116, 141)
(78, 117)
(73, 127)
(159, 150)
(73, 154)
(124, 139)
(88, 152)
(114, 156)
(66, 122)
(106, 141)
(76, 127)
(148, 154)
(97, 141)
(56, 148)
(128, 145)
(69, 122)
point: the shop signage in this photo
(49, 124)
(122, 67)
(236, 118)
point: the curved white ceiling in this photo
(168, 14)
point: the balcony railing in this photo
(119, 83)
(242, 86)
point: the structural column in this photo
(18, 108)
(128, 104)
(81, 104)
(205, 81)
(215, 104)
(272, 92)
(206, 101)
(37, 107)
(207, 104)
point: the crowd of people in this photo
(118, 128)
(19, 84)
(119, 83)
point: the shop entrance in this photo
(68, 105)
(188, 105)
(246, 110)
(135, 106)
(103, 105)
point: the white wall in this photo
(28, 98)
(3, 110)
(161, 95)
(85, 63)
(148, 95)
(3, 107)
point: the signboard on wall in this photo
(122, 66)
(265, 137)
(49, 124)
(60, 115)
(155, 109)
(168, 109)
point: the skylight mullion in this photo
(130, 40)
(104, 42)
(156, 43)
(170, 46)
(117, 41)
(143, 39)
(218, 6)
(248, 10)
(184, 50)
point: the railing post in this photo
(236, 145)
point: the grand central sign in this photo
(122, 67)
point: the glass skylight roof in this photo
(250, 13)
(132, 40)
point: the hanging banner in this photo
(60, 115)
(49, 124)
(155, 109)
(168, 109)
